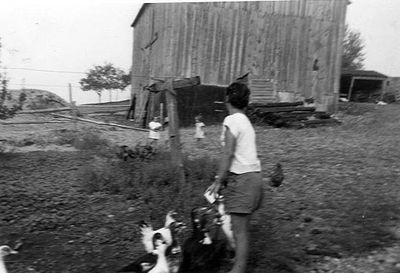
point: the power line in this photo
(44, 70)
(77, 72)
(48, 85)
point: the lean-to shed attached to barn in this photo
(363, 85)
(291, 49)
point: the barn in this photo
(290, 50)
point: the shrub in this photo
(389, 97)
(88, 139)
(155, 182)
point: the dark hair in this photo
(238, 95)
(199, 117)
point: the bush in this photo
(155, 182)
(87, 139)
(389, 97)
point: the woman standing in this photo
(240, 169)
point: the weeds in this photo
(83, 140)
(155, 182)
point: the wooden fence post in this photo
(173, 120)
(173, 126)
(74, 110)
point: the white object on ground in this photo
(148, 233)
(4, 251)
(162, 264)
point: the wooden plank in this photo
(339, 52)
(32, 122)
(286, 109)
(218, 46)
(176, 84)
(350, 89)
(38, 111)
(313, 122)
(195, 43)
(276, 104)
(102, 109)
(101, 122)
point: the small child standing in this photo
(199, 128)
(154, 133)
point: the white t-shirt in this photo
(245, 156)
(199, 130)
(154, 132)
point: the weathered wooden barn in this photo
(291, 49)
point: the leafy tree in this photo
(353, 46)
(104, 77)
(7, 108)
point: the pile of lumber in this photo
(289, 115)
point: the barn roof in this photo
(363, 74)
(142, 8)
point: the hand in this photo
(215, 187)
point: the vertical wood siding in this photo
(220, 41)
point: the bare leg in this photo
(240, 226)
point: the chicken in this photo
(162, 262)
(146, 262)
(124, 152)
(244, 78)
(225, 221)
(277, 176)
(170, 228)
(4, 251)
(152, 261)
(201, 253)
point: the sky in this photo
(74, 35)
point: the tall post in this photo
(350, 89)
(70, 93)
(74, 110)
(162, 122)
(173, 127)
(169, 88)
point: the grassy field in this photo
(76, 207)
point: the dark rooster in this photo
(123, 152)
(146, 262)
(244, 78)
(203, 252)
(277, 176)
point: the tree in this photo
(7, 107)
(106, 77)
(353, 46)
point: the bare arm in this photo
(226, 161)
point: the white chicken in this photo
(4, 251)
(162, 263)
(148, 232)
(225, 218)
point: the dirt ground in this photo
(337, 210)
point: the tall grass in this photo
(154, 182)
(84, 139)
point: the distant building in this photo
(291, 49)
(363, 85)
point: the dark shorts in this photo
(244, 192)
